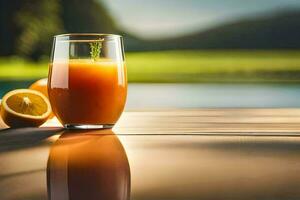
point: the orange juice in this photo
(84, 91)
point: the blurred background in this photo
(179, 54)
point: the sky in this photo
(154, 19)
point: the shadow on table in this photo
(23, 154)
(54, 164)
(12, 139)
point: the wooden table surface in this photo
(205, 121)
(173, 154)
(212, 121)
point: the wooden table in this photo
(205, 121)
(176, 154)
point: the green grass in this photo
(214, 66)
(187, 66)
(18, 69)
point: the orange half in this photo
(25, 108)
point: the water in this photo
(213, 95)
(6, 86)
(206, 95)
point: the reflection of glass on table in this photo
(88, 165)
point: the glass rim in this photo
(104, 36)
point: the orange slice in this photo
(24, 108)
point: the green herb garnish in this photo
(95, 49)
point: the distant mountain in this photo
(27, 27)
(88, 16)
(273, 31)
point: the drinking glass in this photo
(87, 80)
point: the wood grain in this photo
(176, 154)
(205, 121)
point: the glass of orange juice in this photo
(87, 80)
